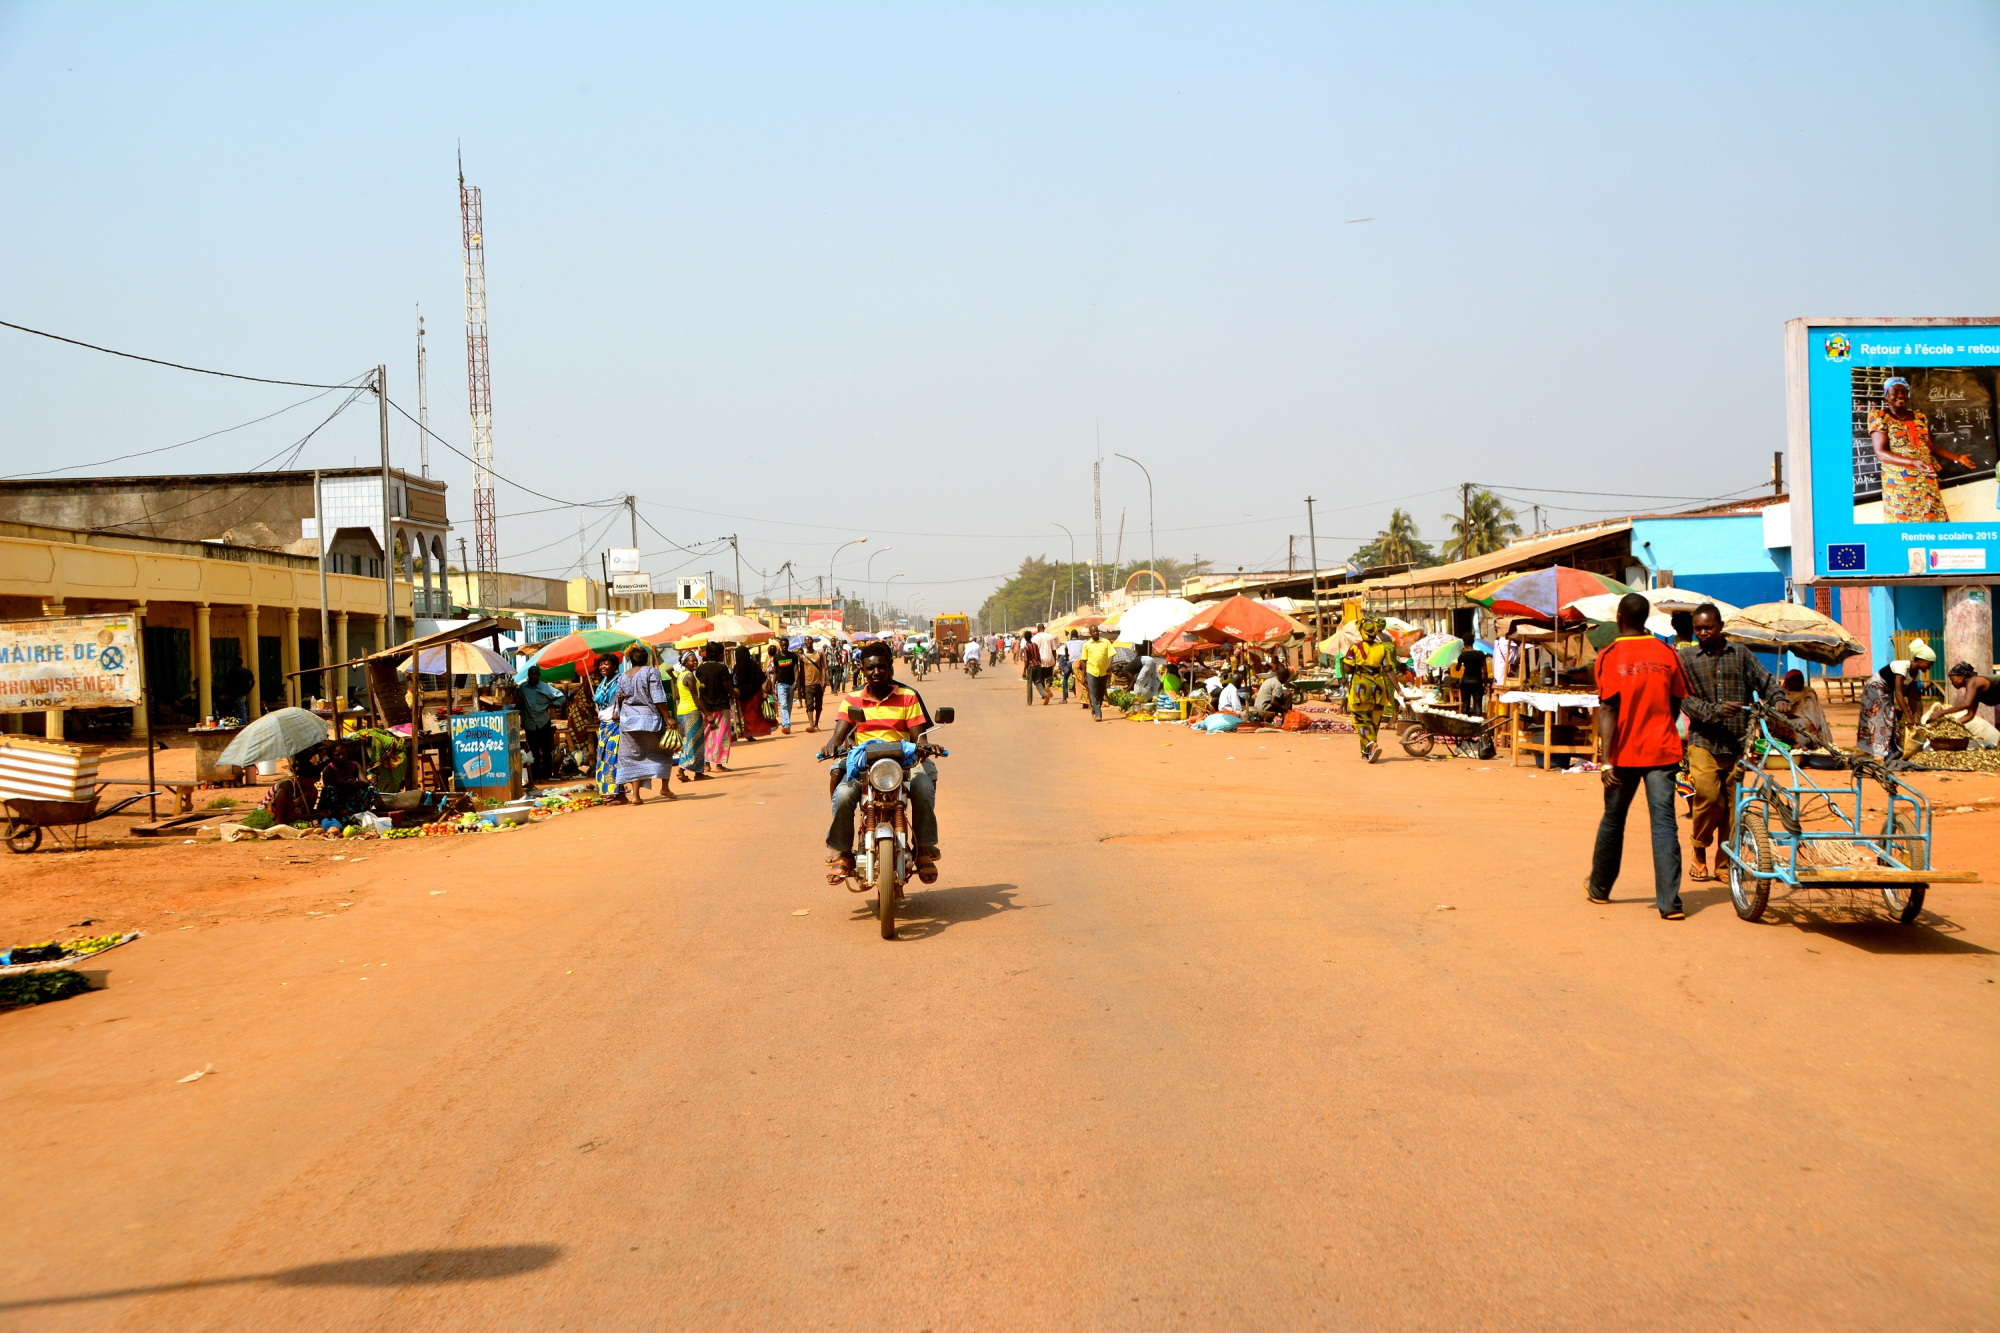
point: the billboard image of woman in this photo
(1925, 449)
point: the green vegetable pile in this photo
(28, 988)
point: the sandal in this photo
(1699, 873)
(839, 869)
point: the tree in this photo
(1490, 524)
(1397, 544)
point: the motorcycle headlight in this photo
(885, 775)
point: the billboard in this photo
(621, 560)
(1893, 449)
(692, 594)
(68, 662)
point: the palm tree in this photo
(1397, 544)
(1485, 526)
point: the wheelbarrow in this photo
(28, 816)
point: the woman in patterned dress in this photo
(1902, 440)
(1371, 671)
(603, 689)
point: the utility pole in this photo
(632, 513)
(1290, 563)
(464, 570)
(1097, 515)
(1312, 554)
(423, 402)
(388, 537)
(739, 572)
(1072, 564)
(325, 619)
(1538, 518)
(1777, 472)
(1465, 551)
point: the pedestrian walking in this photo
(784, 678)
(1641, 686)
(643, 750)
(1722, 678)
(1045, 653)
(812, 681)
(1097, 653)
(714, 693)
(1029, 671)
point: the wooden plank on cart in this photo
(1884, 875)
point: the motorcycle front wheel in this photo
(885, 885)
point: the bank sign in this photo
(1893, 449)
(68, 662)
(482, 748)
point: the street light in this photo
(870, 593)
(1072, 564)
(885, 588)
(829, 568)
(1152, 540)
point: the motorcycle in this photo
(884, 842)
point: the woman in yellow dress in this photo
(1902, 441)
(1371, 674)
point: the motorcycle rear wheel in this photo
(885, 885)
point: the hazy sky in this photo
(812, 272)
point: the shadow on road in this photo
(411, 1268)
(933, 911)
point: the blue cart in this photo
(1806, 824)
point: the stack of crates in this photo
(35, 769)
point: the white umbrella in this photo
(648, 624)
(466, 659)
(1665, 601)
(1148, 620)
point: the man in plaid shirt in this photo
(1723, 676)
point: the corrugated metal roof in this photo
(1531, 554)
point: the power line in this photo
(106, 462)
(539, 495)
(173, 365)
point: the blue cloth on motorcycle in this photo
(857, 760)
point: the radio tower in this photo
(480, 391)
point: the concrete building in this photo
(270, 511)
(206, 607)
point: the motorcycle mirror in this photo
(944, 715)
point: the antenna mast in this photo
(480, 390)
(423, 402)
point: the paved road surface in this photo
(1194, 1032)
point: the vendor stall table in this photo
(1558, 709)
(209, 743)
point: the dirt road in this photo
(1201, 1032)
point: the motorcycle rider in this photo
(972, 654)
(883, 709)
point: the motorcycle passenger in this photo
(883, 709)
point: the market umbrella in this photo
(1240, 620)
(1062, 625)
(1542, 593)
(660, 624)
(1148, 620)
(737, 629)
(1436, 650)
(278, 735)
(675, 633)
(560, 658)
(1665, 601)
(1783, 627)
(459, 659)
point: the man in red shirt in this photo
(1640, 685)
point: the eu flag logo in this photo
(1846, 558)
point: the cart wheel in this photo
(1905, 901)
(23, 837)
(1750, 893)
(1416, 741)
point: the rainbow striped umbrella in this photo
(1543, 593)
